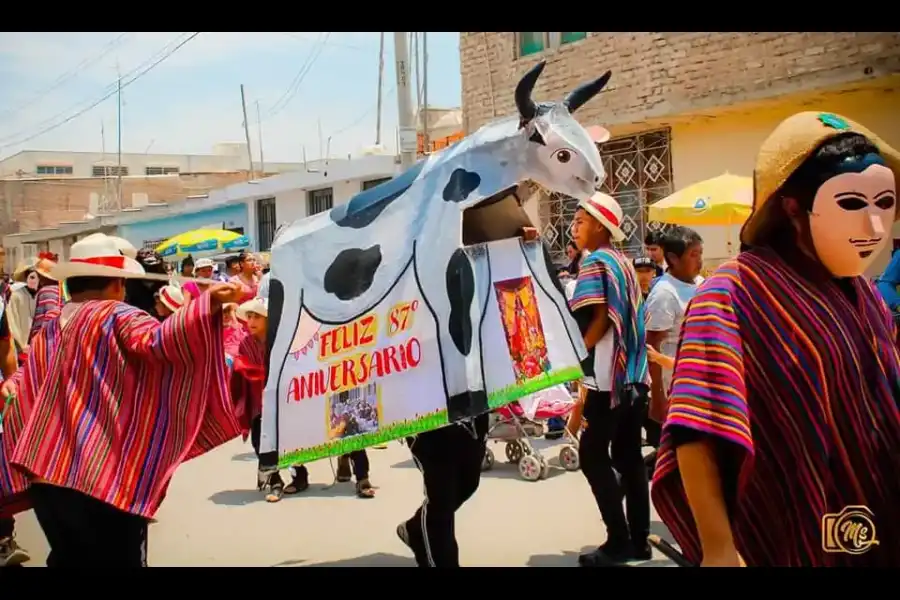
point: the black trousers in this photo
(611, 443)
(358, 461)
(83, 531)
(7, 527)
(450, 461)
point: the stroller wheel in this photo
(487, 463)
(530, 468)
(545, 468)
(568, 458)
(514, 452)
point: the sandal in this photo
(364, 489)
(272, 485)
(299, 481)
(344, 474)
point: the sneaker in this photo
(11, 554)
(607, 555)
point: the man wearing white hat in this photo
(144, 401)
(608, 305)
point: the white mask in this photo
(32, 281)
(852, 217)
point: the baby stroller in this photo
(515, 423)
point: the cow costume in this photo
(432, 223)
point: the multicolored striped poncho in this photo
(28, 379)
(798, 381)
(247, 381)
(608, 277)
(49, 298)
(127, 399)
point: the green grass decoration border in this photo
(427, 422)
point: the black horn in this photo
(585, 92)
(527, 107)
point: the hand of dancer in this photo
(666, 362)
(529, 233)
(725, 558)
(7, 389)
(223, 293)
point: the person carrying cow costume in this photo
(157, 404)
(782, 436)
(450, 458)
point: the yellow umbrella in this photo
(723, 200)
(203, 240)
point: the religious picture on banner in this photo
(521, 321)
(354, 411)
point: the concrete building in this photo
(226, 158)
(254, 208)
(684, 107)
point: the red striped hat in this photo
(605, 209)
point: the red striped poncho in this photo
(126, 400)
(28, 379)
(797, 383)
(247, 381)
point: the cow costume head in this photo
(338, 265)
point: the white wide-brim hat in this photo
(260, 306)
(171, 297)
(99, 255)
(607, 211)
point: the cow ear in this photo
(537, 138)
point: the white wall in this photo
(292, 204)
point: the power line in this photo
(294, 87)
(114, 91)
(360, 118)
(109, 89)
(333, 43)
(65, 77)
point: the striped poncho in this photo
(798, 382)
(28, 379)
(247, 381)
(126, 400)
(608, 277)
(49, 298)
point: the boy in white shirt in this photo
(666, 304)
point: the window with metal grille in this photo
(161, 170)
(368, 185)
(265, 222)
(638, 173)
(54, 170)
(114, 171)
(319, 201)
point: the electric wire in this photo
(294, 86)
(126, 81)
(107, 91)
(111, 88)
(68, 76)
(368, 112)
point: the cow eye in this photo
(563, 156)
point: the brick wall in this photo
(26, 205)
(660, 74)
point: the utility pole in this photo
(119, 161)
(105, 179)
(380, 87)
(425, 141)
(262, 160)
(406, 119)
(415, 40)
(247, 132)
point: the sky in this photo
(191, 100)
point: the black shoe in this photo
(607, 555)
(553, 435)
(642, 551)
